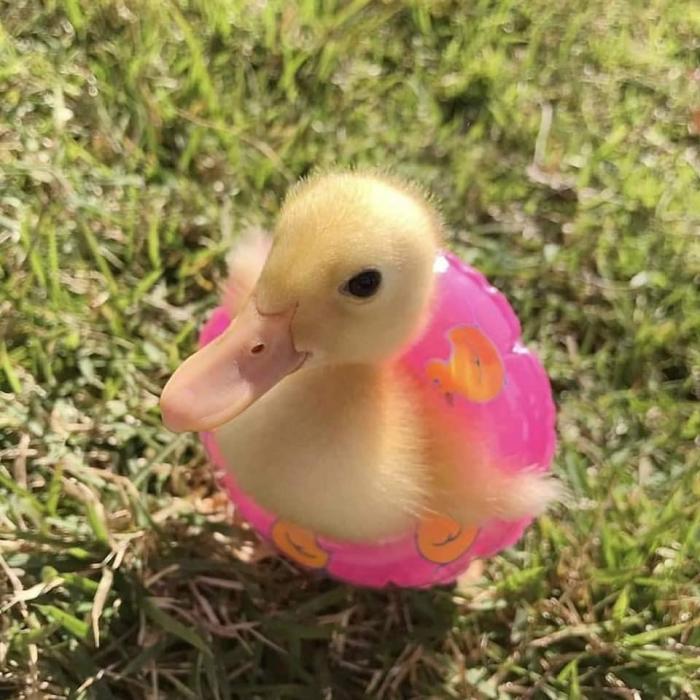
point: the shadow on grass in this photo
(184, 616)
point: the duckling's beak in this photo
(223, 378)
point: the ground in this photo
(138, 139)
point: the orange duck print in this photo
(442, 540)
(474, 370)
(299, 544)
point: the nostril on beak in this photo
(257, 349)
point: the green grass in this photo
(137, 139)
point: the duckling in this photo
(311, 408)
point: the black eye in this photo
(364, 285)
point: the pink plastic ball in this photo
(511, 405)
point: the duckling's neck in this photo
(347, 373)
(338, 384)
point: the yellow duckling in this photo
(318, 421)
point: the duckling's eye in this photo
(363, 285)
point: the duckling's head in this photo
(353, 256)
(348, 280)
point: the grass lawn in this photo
(138, 138)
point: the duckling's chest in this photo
(342, 458)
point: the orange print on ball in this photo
(299, 544)
(442, 540)
(474, 370)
